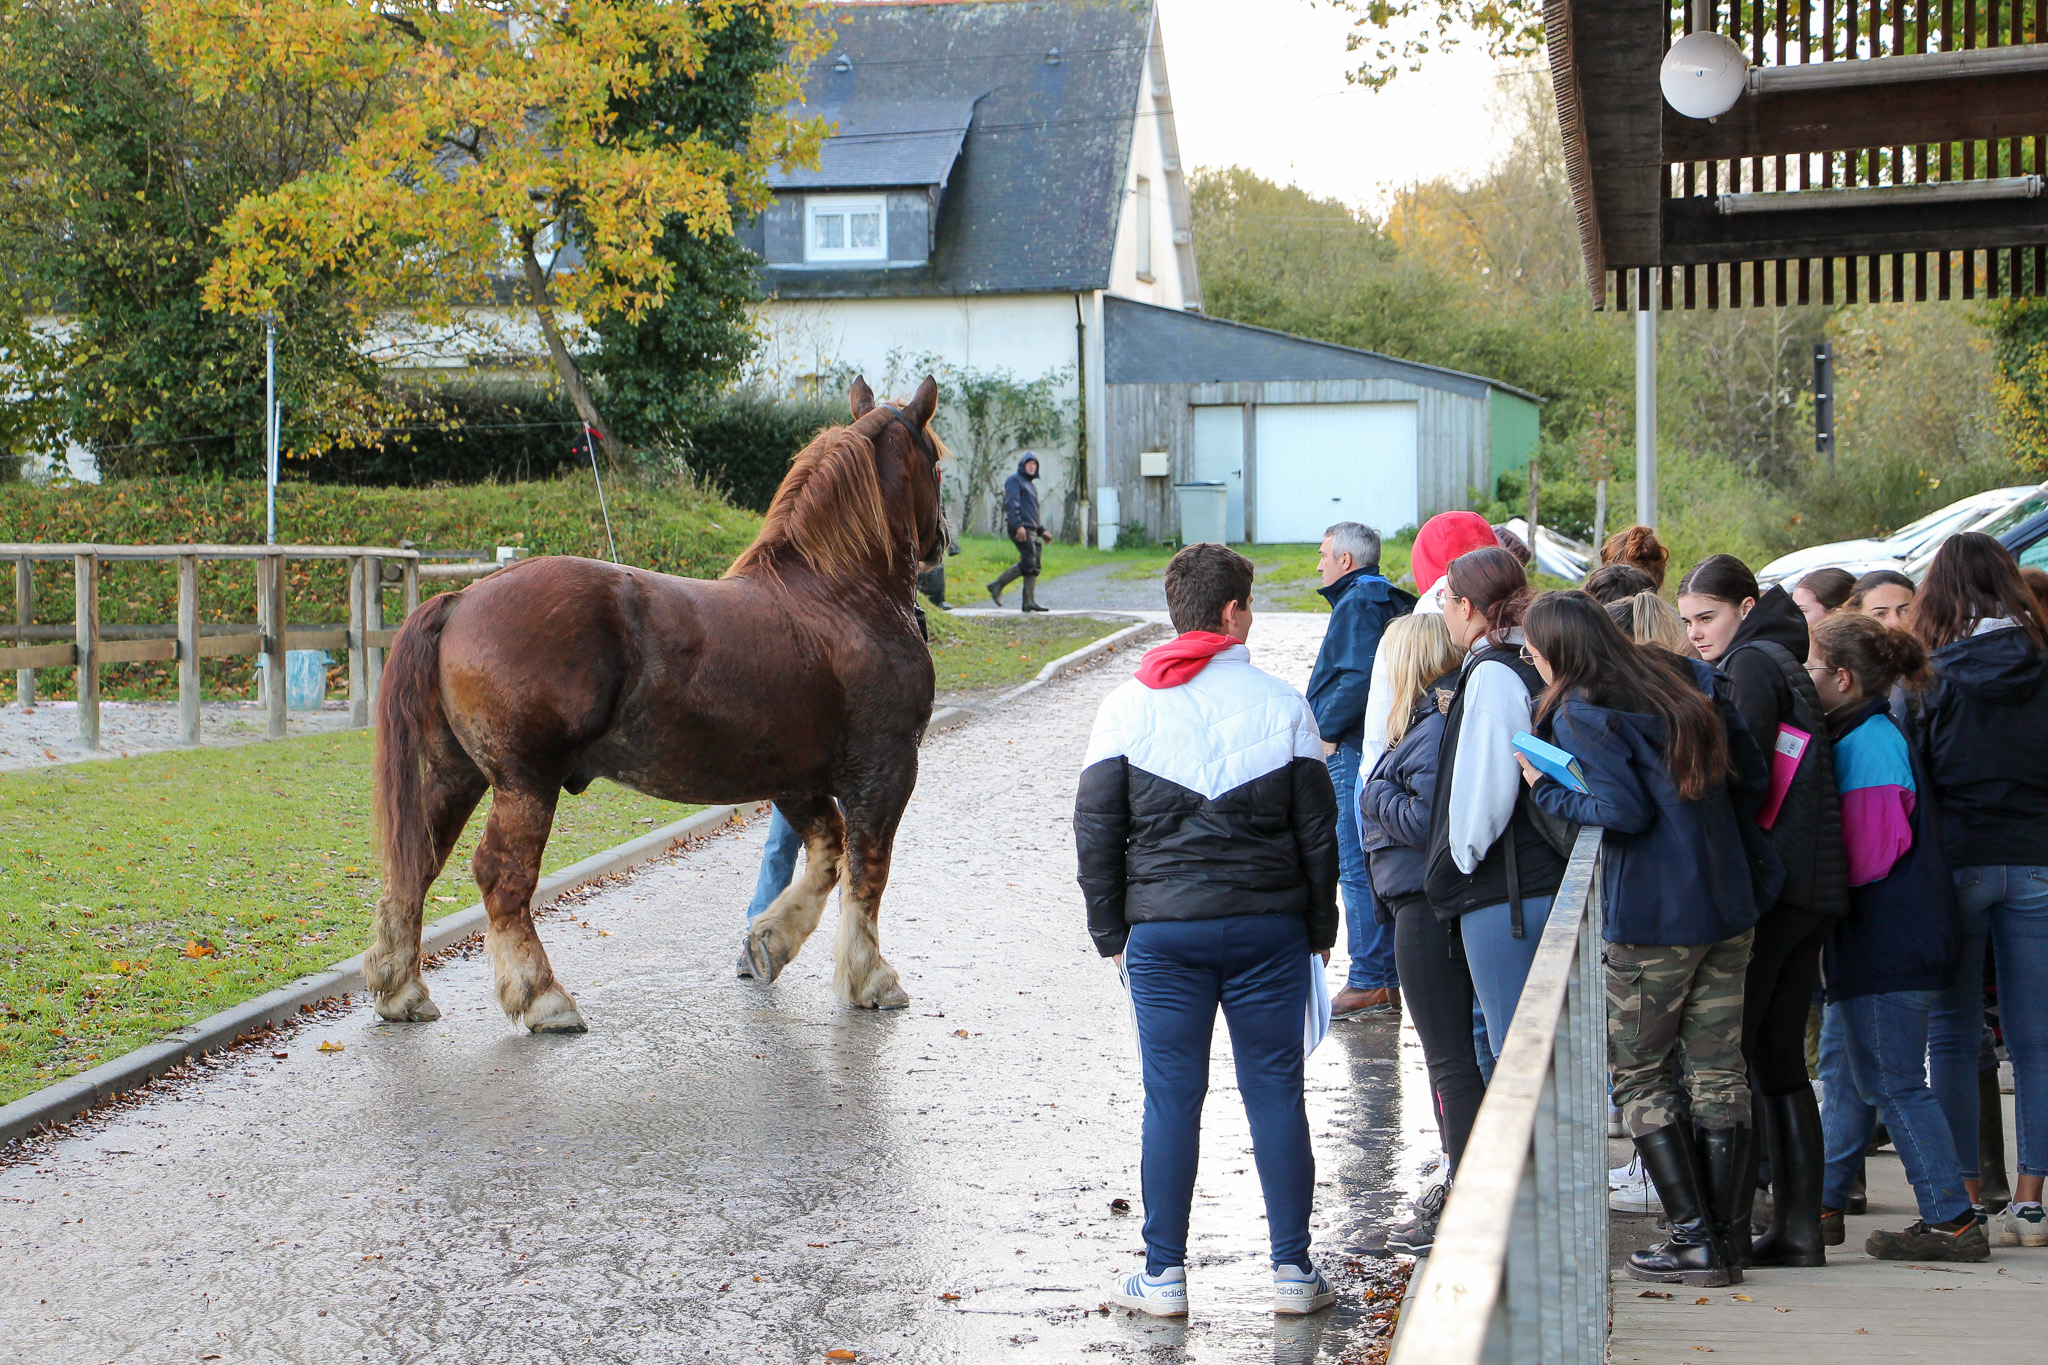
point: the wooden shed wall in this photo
(1451, 438)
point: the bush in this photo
(743, 442)
(675, 529)
(463, 433)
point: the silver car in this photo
(1889, 552)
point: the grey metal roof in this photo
(882, 143)
(1033, 199)
(1146, 344)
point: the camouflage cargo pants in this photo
(1664, 1002)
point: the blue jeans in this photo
(2008, 907)
(778, 864)
(1499, 961)
(1370, 943)
(1257, 968)
(1883, 1040)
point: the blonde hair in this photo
(1650, 620)
(1418, 651)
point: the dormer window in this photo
(844, 227)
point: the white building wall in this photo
(1155, 159)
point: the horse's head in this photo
(907, 459)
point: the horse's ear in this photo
(861, 397)
(918, 411)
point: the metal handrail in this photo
(1519, 1270)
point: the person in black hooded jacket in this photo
(1759, 640)
(1982, 735)
(1020, 519)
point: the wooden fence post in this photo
(86, 627)
(25, 613)
(188, 649)
(358, 676)
(411, 571)
(373, 619)
(270, 620)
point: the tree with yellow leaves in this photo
(493, 144)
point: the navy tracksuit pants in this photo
(1257, 968)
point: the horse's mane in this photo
(828, 511)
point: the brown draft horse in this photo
(799, 677)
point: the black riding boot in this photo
(1004, 580)
(1725, 1156)
(1031, 593)
(1994, 1191)
(1692, 1253)
(1797, 1163)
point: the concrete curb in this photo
(67, 1099)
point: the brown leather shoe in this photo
(1353, 1003)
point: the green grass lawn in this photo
(991, 651)
(1286, 573)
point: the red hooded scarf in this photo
(1442, 539)
(1182, 657)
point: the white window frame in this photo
(1143, 227)
(845, 205)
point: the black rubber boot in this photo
(1994, 1189)
(1858, 1201)
(1004, 580)
(1692, 1253)
(1031, 593)
(1725, 1155)
(1794, 1238)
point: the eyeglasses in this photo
(1529, 657)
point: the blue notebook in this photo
(1551, 761)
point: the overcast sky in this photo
(1260, 83)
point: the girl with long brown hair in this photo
(1680, 906)
(1982, 735)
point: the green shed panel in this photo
(1513, 431)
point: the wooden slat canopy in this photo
(1648, 183)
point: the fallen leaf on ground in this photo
(1781, 1310)
(1862, 1331)
(1743, 1298)
(1703, 1348)
(374, 1256)
(1702, 1299)
(959, 1033)
(330, 1046)
(199, 947)
(841, 1353)
(280, 1055)
(1653, 1294)
(949, 1297)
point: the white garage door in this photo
(1322, 463)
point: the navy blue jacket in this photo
(1020, 499)
(1394, 803)
(1983, 738)
(1361, 604)
(1675, 871)
(1901, 932)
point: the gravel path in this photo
(48, 734)
(718, 1170)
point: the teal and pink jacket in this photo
(1901, 932)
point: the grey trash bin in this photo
(1204, 512)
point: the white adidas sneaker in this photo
(1163, 1297)
(1300, 1291)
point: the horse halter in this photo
(922, 440)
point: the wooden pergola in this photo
(1882, 150)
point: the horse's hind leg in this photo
(391, 968)
(778, 934)
(859, 972)
(507, 867)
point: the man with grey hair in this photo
(1361, 601)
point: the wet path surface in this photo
(719, 1171)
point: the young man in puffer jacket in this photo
(1206, 827)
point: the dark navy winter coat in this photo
(1394, 803)
(1675, 871)
(1901, 933)
(1020, 499)
(1983, 738)
(1361, 604)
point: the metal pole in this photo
(1824, 401)
(270, 424)
(590, 444)
(1646, 413)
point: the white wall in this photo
(1029, 335)
(1155, 157)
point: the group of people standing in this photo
(1833, 795)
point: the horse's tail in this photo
(408, 704)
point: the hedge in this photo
(673, 529)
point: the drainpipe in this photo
(1077, 483)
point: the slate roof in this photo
(1146, 344)
(883, 142)
(1032, 202)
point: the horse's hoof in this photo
(766, 960)
(555, 1012)
(409, 1004)
(885, 994)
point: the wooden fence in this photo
(93, 643)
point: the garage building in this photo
(1301, 433)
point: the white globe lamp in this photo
(1704, 74)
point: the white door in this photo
(1219, 458)
(1322, 463)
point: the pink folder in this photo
(1785, 756)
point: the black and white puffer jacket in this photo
(1206, 800)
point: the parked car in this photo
(2021, 528)
(1560, 555)
(1888, 552)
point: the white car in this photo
(1889, 552)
